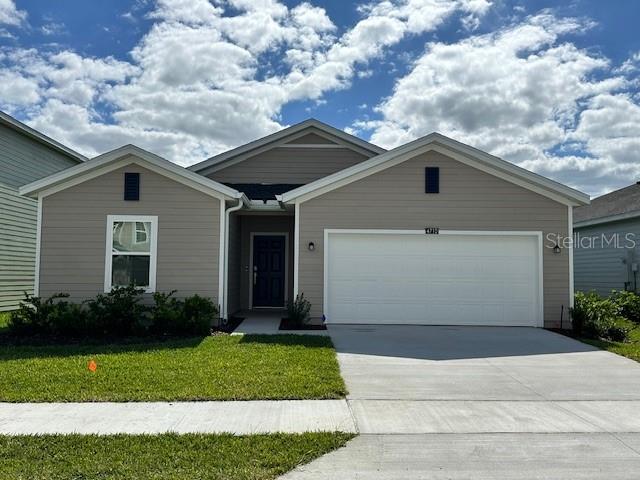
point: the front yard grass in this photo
(169, 456)
(630, 349)
(248, 367)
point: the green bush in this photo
(629, 303)
(193, 315)
(198, 315)
(53, 316)
(166, 312)
(118, 313)
(298, 310)
(618, 329)
(598, 317)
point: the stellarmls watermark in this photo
(623, 241)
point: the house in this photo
(25, 155)
(431, 232)
(607, 242)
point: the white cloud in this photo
(208, 76)
(522, 94)
(17, 90)
(10, 15)
(201, 79)
(632, 64)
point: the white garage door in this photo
(454, 278)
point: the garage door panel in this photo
(432, 279)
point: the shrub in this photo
(618, 329)
(166, 312)
(298, 310)
(118, 313)
(629, 303)
(598, 317)
(193, 315)
(198, 315)
(36, 316)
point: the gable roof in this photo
(279, 138)
(617, 205)
(9, 121)
(123, 156)
(447, 146)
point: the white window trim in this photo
(153, 248)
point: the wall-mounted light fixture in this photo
(311, 246)
(556, 249)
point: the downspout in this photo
(228, 212)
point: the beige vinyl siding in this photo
(289, 165)
(469, 199)
(17, 246)
(262, 224)
(312, 138)
(74, 229)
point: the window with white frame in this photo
(142, 232)
(131, 252)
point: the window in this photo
(142, 232)
(131, 252)
(131, 186)
(432, 180)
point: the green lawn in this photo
(630, 349)
(223, 367)
(166, 457)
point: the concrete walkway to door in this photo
(483, 403)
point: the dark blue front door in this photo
(268, 270)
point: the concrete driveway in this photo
(483, 403)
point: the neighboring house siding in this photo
(468, 200)
(262, 224)
(17, 247)
(289, 165)
(607, 266)
(22, 160)
(74, 228)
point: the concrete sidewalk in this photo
(501, 456)
(268, 323)
(241, 418)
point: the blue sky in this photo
(551, 86)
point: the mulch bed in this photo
(286, 324)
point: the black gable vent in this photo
(432, 180)
(131, 186)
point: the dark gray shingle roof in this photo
(263, 191)
(623, 201)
